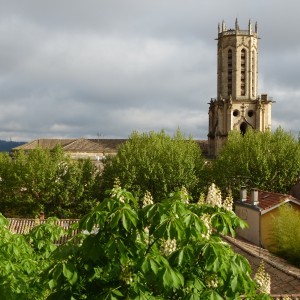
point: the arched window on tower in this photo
(243, 72)
(229, 65)
(253, 73)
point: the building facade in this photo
(259, 209)
(237, 106)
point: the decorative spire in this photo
(256, 27)
(250, 27)
(218, 27)
(223, 26)
(236, 24)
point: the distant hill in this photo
(6, 146)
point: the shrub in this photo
(286, 234)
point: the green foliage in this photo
(168, 250)
(157, 163)
(23, 259)
(49, 181)
(160, 251)
(41, 237)
(267, 160)
(286, 235)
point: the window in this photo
(250, 113)
(253, 73)
(243, 72)
(229, 65)
(236, 113)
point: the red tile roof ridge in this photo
(269, 200)
(34, 219)
(279, 194)
(24, 225)
(277, 262)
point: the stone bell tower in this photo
(237, 106)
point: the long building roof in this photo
(87, 145)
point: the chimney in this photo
(254, 196)
(243, 193)
(42, 215)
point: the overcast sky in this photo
(73, 68)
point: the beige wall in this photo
(259, 231)
(251, 216)
(266, 225)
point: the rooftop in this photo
(23, 226)
(268, 200)
(105, 146)
(285, 278)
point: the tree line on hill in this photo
(7, 146)
(50, 181)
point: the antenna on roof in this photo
(99, 134)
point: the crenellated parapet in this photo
(223, 31)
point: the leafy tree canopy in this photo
(157, 163)
(165, 250)
(267, 160)
(49, 181)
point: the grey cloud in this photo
(75, 68)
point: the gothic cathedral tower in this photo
(237, 106)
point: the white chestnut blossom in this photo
(94, 231)
(212, 281)
(169, 246)
(201, 200)
(184, 195)
(117, 188)
(263, 279)
(214, 196)
(148, 199)
(228, 202)
(206, 219)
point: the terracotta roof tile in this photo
(83, 145)
(44, 144)
(105, 146)
(23, 226)
(109, 145)
(268, 200)
(285, 278)
(73, 145)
